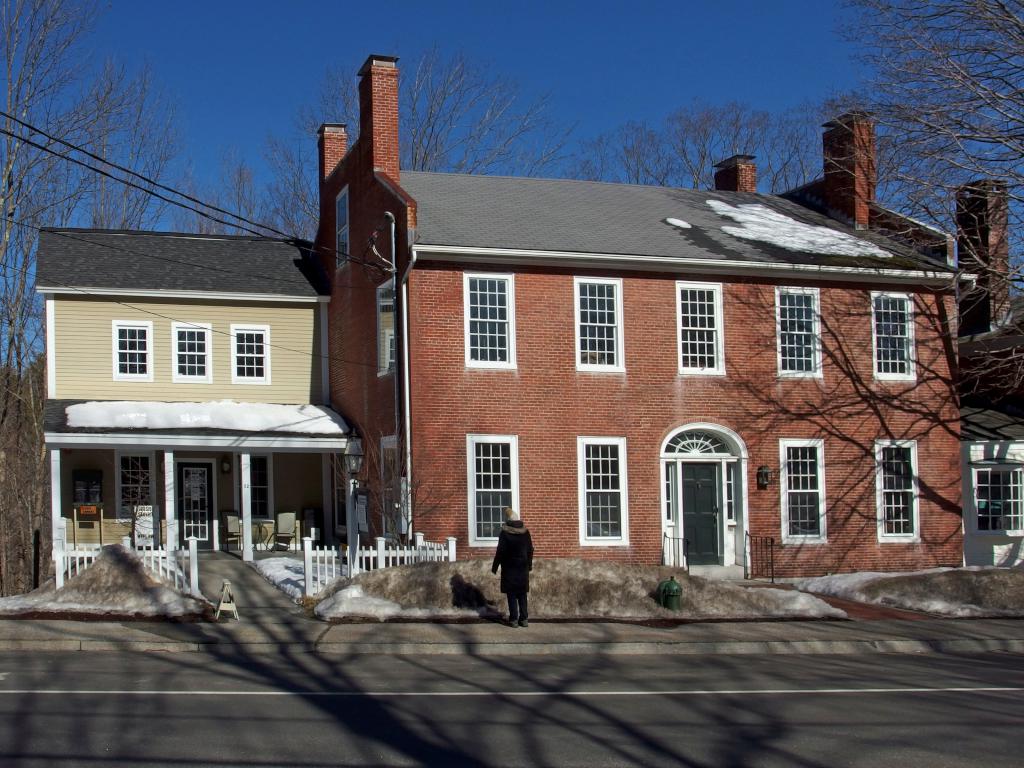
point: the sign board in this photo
(360, 498)
(87, 509)
(143, 524)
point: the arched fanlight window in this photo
(697, 442)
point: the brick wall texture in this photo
(547, 404)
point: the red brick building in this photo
(648, 374)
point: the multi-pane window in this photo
(897, 497)
(700, 327)
(802, 490)
(894, 336)
(999, 498)
(133, 350)
(602, 489)
(599, 324)
(341, 227)
(135, 482)
(489, 319)
(250, 354)
(191, 360)
(259, 485)
(798, 333)
(493, 478)
(386, 327)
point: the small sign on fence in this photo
(143, 525)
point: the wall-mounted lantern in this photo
(225, 465)
(764, 476)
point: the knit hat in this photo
(510, 514)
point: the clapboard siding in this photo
(84, 356)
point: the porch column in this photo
(326, 500)
(246, 478)
(55, 498)
(170, 509)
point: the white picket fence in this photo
(322, 565)
(177, 566)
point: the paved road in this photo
(63, 709)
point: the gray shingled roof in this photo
(597, 217)
(125, 260)
(987, 423)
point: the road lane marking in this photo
(511, 694)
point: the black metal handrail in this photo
(665, 538)
(762, 557)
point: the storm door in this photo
(195, 503)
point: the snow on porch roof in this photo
(220, 415)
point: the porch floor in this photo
(257, 599)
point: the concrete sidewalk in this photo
(253, 635)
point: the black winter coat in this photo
(515, 556)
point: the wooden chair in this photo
(233, 530)
(285, 529)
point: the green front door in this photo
(700, 483)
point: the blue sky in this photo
(239, 70)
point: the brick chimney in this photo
(736, 174)
(332, 144)
(850, 174)
(378, 113)
(982, 216)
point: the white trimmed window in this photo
(135, 486)
(490, 329)
(999, 499)
(341, 228)
(699, 324)
(604, 517)
(250, 354)
(896, 488)
(803, 490)
(133, 350)
(493, 475)
(191, 353)
(892, 331)
(599, 324)
(261, 485)
(798, 324)
(386, 327)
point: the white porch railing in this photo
(177, 567)
(323, 565)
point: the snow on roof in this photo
(678, 223)
(220, 414)
(758, 222)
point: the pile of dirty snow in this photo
(116, 585)
(956, 592)
(559, 589)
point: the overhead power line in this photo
(158, 185)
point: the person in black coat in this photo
(515, 556)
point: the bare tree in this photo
(948, 94)
(455, 116)
(949, 89)
(693, 138)
(48, 84)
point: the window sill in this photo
(700, 372)
(795, 375)
(804, 540)
(899, 540)
(886, 379)
(600, 368)
(491, 366)
(604, 542)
